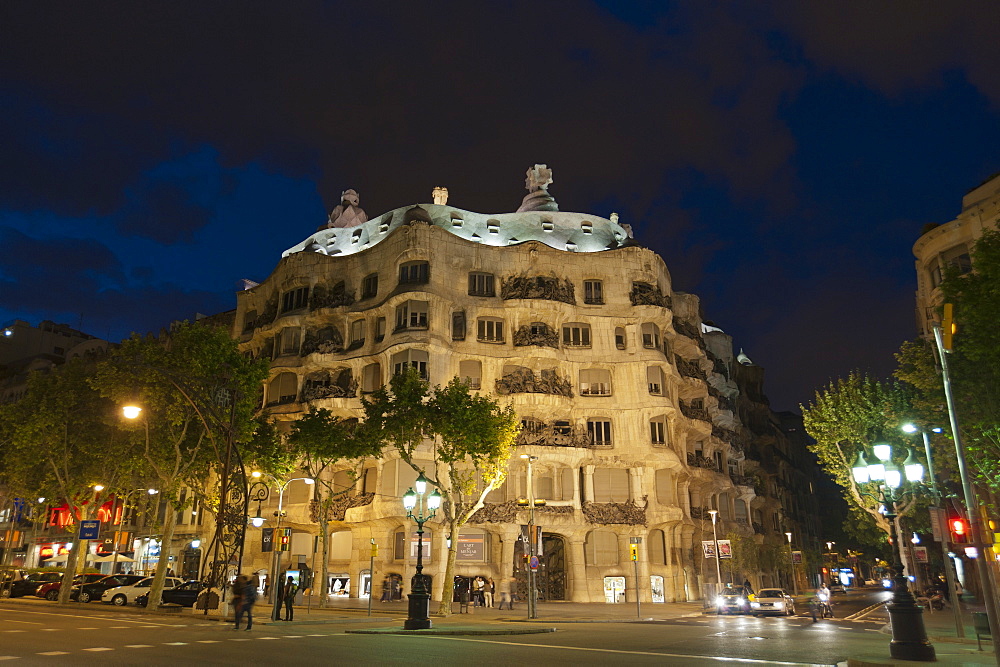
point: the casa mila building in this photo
(627, 398)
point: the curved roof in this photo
(573, 232)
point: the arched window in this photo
(340, 545)
(414, 273)
(657, 547)
(410, 359)
(601, 548)
(283, 389)
(650, 335)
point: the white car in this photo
(772, 601)
(123, 595)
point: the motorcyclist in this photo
(823, 597)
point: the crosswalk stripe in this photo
(53, 653)
(98, 648)
(138, 646)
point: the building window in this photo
(249, 321)
(654, 380)
(650, 335)
(283, 389)
(371, 378)
(411, 315)
(294, 299)
(593, 291)
(290, 340)
(664, 487)
(458, 325)
(414, 273)
(658, 431)
(481, 284)
(958, 257)
(489, 330)
(601, 548)
(546, 226)
(410, 359)
(379, 329)
(493, 226)
(620, 338)
(656, 549)
(610, 485)
(369, 286)
(586, 228)
(576, 334)
(595, 382)
(357, 333)
(599, 432)
(471, 372)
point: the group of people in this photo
(482, 592)
(244, 595)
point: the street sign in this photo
(533, 563)
(90, 530)
(267, 540)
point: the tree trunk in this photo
(448, 585)
(156, 589)
(79, 547)
(324, 527)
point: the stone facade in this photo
(627, 398)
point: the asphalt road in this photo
(47, 634)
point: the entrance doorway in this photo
(551, 575)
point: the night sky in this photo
(781, 157)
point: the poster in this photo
(725, 549)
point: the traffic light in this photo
(959, 528)
(948, 327)
(633, 551)
(286, 540)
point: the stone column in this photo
(588, 484)
(579, 591)
(506, 565)
(360, 557)
(635, 484)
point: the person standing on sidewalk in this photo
(249, 597)
(236, 599)
(288, 592)
(488, 592)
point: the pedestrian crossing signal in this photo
(285, 542)
(948, 327)
(633, 550)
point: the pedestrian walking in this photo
(288, 592)
(506, 597)
(236, 599)
(250, 586)
(488, 592)
(385, 590)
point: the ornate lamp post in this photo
(532, 581)
(421, 508)
(909, 637)
(718, 561)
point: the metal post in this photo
(371, 577)
(276, 584)
(419, 603)
(791, 561)
(906, 618)
(532, 595)
(971, 502)
(638, 602)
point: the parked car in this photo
(123, 595)
(29, 584)
(9, 575)
(772, 601)
(837, 587)
(734, 600)
(50, 590)
(185, 595)
(93, 590)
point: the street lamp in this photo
(791, 561)
(420, 508)
(532, 582)
(718, 564)
(909, 637)
(276, 559)
(949, 569)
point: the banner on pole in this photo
(725, 549)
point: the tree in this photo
(847, 418)
(199, 395)
(324, 442)
(471, 442)
(63, 441)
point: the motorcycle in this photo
(821, 606)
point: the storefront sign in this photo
(471, 546)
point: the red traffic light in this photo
(958, 526)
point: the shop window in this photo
(599, 432)
(576, 334)
(471, 372)
(601, 548)
(481, 284)
(489, 330)
(650, 335)
(410, 359)
(414, 273)
(593, 291)
(595, 382)
(654, 380)
(405, 545)
(282, 389)
(369, 286)
(411, 315)
(294, 299)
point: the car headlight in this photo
(779, 605)
(755, 604)
(721, 601)
(740, 601)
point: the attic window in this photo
(546, 225)
(476, 238)
(493, 227)
(383, 227)
(356, 236)
(571, 247)
(512, 241)
(456, 222)
(587, 228)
